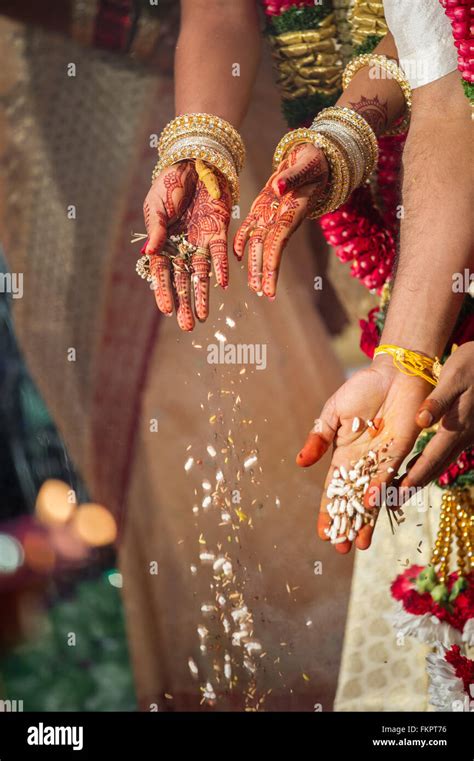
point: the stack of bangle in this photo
(390, 70)
(350, 147)
(350, 128)
(205, 137)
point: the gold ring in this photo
(257, 230)
(202, 251)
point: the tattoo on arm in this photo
(373, 111)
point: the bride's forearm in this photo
(217, 57)
(378, 99)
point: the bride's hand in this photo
(289, 195)
(178, 202)
(388, 399)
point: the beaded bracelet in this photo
(394, 72)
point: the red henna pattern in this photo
(182, 282)
(178, 181)
(313, 171)
(255, 261)
(218, 250)
(160, 272)
(373, 111)
(200, 278)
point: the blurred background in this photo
(59, 587)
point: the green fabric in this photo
(93, 675)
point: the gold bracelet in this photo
(339, 181)
(394, 71)
(412, 362)
(204, 124)
(206, 138)
(363, 129)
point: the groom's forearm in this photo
(436, 236)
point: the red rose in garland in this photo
(432, 611)
(369, 339)
(451, 679)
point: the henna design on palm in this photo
(179, 203)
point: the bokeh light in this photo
(11, 554)
(115, 579)
(55, 502)
(95, 525)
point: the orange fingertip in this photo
(343, 548)
(312, 451)
(364, 538)
(378, 427)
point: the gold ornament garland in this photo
(367, 18)
(456, 522)
(308, 62)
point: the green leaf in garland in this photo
(458, 587)
(303, 110)
(440, 594)
(426, 580)
(298, 19)
(468, 89)
(369, 44)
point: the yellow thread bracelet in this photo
(412, 362)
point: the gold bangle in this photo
(363, 129)
(412, 362)
(204, 124)
(394, 71)
(339, 182)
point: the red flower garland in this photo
(277, 7)
(463, 667)
(369, 337)
(417, 603)
(461, 16)
(463, 464)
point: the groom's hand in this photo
(373, 411)
(451, 404)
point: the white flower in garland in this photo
(425, 628)
(446, 690)
(468, 633)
